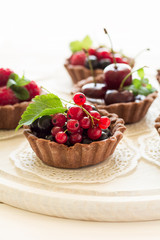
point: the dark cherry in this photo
(114, 74)
(94, 61)
(45, 124)
(115, 96)
(92, 90)
(104, 63)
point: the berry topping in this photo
(94, 132)
(33, 89)
(78, 58)
(59, 120)
(61, 137)
(96, 116)
(75, 138)
(4, 76)
(85, 122)
(79, 99)
(104, 122)
(93, 60)
(73, 125)
(7, 96)
(75, 112)
(55, 130)
(87, 107)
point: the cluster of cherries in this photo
(99, 58)
(80, 124)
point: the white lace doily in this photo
(150, 147)
(6, 134)
(121, 162)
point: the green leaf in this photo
(17, 80)
(136, 83)
(77, 46)
(10, 83)
(140, 73)
(42, 105)
(145, 81)
(86, 42)
(20, 92)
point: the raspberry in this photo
(7, 96)
(33, 89)
(4, 76)
(78, 58)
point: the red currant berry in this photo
(96, 115)
(59, 119)
(87, 107)
(73, 125)
(75, 138)
(61, 137)
(79, 98)
(75, 112)
(94, 133)
(55, 130)
(80, 130)
(104, 122)
(85, 122)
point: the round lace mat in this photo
(150, 147)
(6, 134)
(121, 162)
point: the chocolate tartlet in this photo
(131, 112)
(11, 114)
(78, 155)
(77, 72)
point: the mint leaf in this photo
(42, 105)
(136, 83)
(17, 80)
(10, 83)
(86, 42)
(20, 92)
(145, 81)
(140, 73)
(77, 46)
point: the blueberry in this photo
(86, 141)
(34, 126)
(49, 137)
(104, 63)
(94, 61)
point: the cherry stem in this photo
(90, 65)
(127, 76)
(139, 53)
(114, 60)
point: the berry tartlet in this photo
(72, 137)
(15, 95)
(78, 65)
(116, 92)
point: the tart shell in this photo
(131, 112)
(77, 72)
(157, 124)
(78, 155)
(10, 115)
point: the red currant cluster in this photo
(79, 118)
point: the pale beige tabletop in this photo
(34, 39)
